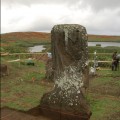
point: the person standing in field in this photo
(115, 61)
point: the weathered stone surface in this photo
(70, 65)
(3, 70)
(49, 70)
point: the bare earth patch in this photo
(11, 114)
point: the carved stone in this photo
(49, 70)
(70, 65)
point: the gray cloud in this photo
(29, 2)
(103, 17)
(102, 4)
(104, 22)
(95, 4)
(41, 24)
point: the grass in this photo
(109, 73)
(20, 41)
(23, 97)
(103, 96)
(39, 36)
(18, 90)
(103, 38)
(103, 49)
(99, 81)
(103, 107)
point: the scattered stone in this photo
(3, 70)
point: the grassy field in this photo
(25, 85)
(18, 90)
(104, 95)
(18, 42)
(40, 36)
(103, 38)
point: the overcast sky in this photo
(98, 16)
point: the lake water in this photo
(39, 48)
(104, 44)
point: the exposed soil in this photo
(37, 114)
(11, 114)
(114, 116)
(42, 57)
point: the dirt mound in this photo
(33, 114)
(11, 114)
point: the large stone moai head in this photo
(70, 59)
(69, 47)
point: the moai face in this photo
(76, 42)
(71, 44)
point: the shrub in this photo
(98, 44)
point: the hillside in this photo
(103, 38)
(41, 36)
(25, 36)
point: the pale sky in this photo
(98, 16)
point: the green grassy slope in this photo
(103, 38)
(39, 36)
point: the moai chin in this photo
(70, 65)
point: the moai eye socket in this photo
(77, 38)
(77, 30)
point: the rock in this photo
(3, 70)
(49, 70)
(70, 66)
(118, 56)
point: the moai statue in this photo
(70, 64)
(49, 70)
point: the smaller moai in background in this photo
(3, 70)
(49, 70)
(70, 73)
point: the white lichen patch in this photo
(70, 81)
(76, 96)
(78, 91)
(66, 38)
(87, 63)
(71, 104)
